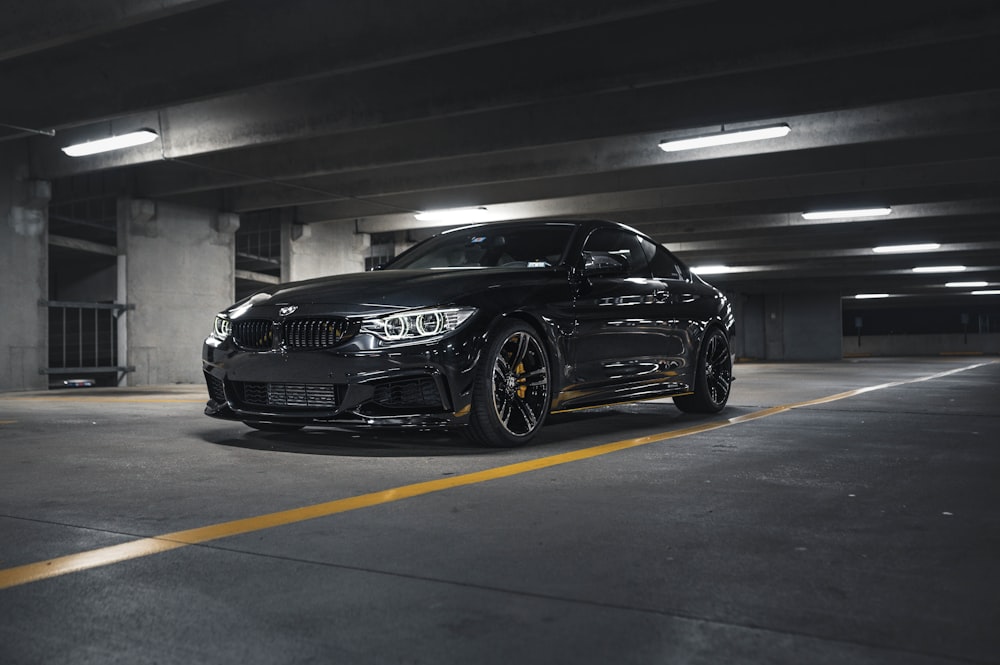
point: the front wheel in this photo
(510, 397)
(713, 378)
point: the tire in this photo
(511, 391)
(273, 427)
(714, 376)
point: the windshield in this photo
(523, 246)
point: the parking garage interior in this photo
(841, 509)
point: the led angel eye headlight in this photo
(223, 328)
(417, 324)
(431, 323)
(394, 328)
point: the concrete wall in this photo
(177, 266)
(23, 273)
(782, 326)
(812, 326)
(922, 345)
(749, 326)
(317, 250)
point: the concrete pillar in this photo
(24, 274)
(177, 267)
(320, 249)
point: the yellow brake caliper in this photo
(522, 383)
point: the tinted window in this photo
(518, 247)
(603, 243)
(661, 262)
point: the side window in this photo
(604, 243)
(661, 262)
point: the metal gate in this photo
(83, 338)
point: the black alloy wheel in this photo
(714, 376)
(510, 398)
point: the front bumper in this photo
(420, 385)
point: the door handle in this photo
(661, 295)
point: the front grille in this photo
(216, 391)
(314, 333)
(421, 393)
(294, 395)
(253, 334)
(301, 334)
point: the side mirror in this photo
(605, 264)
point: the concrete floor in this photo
(861, 530)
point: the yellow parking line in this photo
(144, 547)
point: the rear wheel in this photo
(713, 377)
(510, 397)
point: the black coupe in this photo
(491, 327)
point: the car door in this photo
(623, 345)
(692, 304)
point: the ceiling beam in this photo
(861, 186)
(623, 164)
(30, 27)
(634, 104)
(232, 48)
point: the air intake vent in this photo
(294, 395)
(314, 333)
(253, 334)
(216, 391)
(412, 393)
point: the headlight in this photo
(417, 324)
(222, 329)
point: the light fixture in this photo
(456, 215)
(711, 270)
(966, 285)
(934, 269)
(725, 138)
(871, 296)
(847, 214)
(111, 143)
(907, 249)
(990, 292)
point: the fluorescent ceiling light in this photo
(725, 138)
(966, 285)
(871, 296)
(711, 270)
(112, 143)
(991, 292)
(455, 215)
(847, 214)
(907, 249)
(933, 269)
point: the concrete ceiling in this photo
(364, 112)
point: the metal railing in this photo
(83, 337)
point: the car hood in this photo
(386, 290)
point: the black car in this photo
(491, 327)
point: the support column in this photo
(177, 267)
(320, 249)
(24, 274)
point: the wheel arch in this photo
(548, 337)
